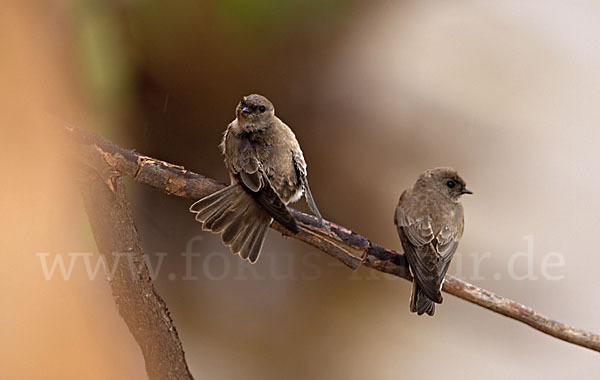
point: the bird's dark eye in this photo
(450, 184)
(262, 108)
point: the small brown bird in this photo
(430, 223)
(267, 171)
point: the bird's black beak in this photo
(246, 109)
(466, 191)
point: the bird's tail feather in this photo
(235, 214)
(419, 302)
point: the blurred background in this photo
(376, 92)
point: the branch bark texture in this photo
(339, 242)
(140, 306)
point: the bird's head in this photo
(254, 113)
(446, 181)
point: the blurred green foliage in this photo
(262, 17)
(106, 69)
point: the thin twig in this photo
(339, 242)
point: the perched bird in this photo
(430, 222)
(267, 171)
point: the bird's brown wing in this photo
(417, 239)
(252, 177)
(300, 166)
(445, 244)
(428, 255)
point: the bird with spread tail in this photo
(430, 222)
(267, 171)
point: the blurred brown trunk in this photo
(143, 310)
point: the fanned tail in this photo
(234, 213)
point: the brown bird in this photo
(430, 222)
(267, 171)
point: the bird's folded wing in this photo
(425, 263)
(254, 180)
(446, 243)
(300, 166)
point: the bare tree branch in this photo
(339, 242)
(143, 310)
